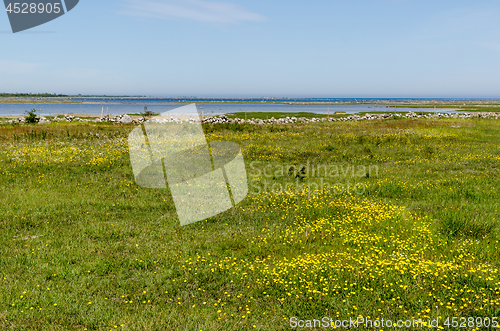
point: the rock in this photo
(125, 119)
(42, 119)
(222, 119)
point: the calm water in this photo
(135, 106)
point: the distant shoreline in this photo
(386, 105)
(382, 102)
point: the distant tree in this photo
(29, 95)
(31, 116)
(147, 113)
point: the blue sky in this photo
(334, 48)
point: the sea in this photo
(129, 105)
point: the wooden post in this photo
(102, 112)
(107, 113)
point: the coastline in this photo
(382, 103)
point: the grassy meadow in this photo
(398, 221)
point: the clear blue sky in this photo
(332, 48)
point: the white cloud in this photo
(196, 10)
(18, 68)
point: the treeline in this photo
(31, 95)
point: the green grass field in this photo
(399, 220)
(269, 115)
